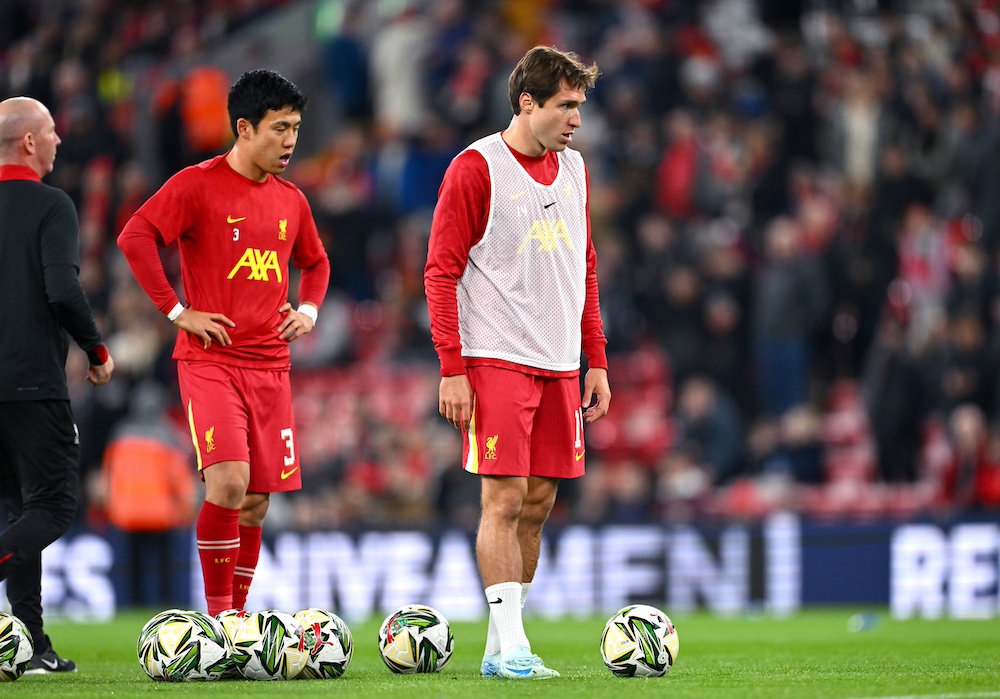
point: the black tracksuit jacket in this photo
(42, 303)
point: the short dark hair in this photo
(541, 72)
(259, 91)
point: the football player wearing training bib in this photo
(511, 284)
(237, 225)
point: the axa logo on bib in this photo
(548, 234)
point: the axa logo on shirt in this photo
(549, 234)
(258, 262)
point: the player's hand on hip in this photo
(295, 324)
(595, 385)
(206, 326)
(100, 374)
(455, 400)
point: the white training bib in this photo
(521, 296)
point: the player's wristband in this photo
(307, 310)
(98, 355)
(175, 312)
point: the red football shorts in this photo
(239, 414)
(524, 425)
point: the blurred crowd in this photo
(797, 228)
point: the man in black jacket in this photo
(42, 305)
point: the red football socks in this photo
(218, 534)
(246, 564)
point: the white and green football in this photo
(16, 647)
(328, 642)
(275, 646)
(415, 638)
(183, 646)
(232, 619)
(639, 641)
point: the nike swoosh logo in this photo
(285, 476)
(516, 196)
(230, 219)
(498, 600)
(50, 664)
(545, 206)
(580, 455)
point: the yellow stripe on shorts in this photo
(194, 434)
(472, 463)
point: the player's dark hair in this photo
(541, 72)
(259, 91)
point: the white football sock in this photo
(505, 612)
(492, 636)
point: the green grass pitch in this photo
(810, 654)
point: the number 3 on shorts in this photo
(286, 434)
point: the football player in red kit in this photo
(511, 288)
(237, 225)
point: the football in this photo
(415, 638)
(328, 642)
(231, 619)
(183, 646)
(639, 641)
(274, 643)
(16, 648)
(154, 623)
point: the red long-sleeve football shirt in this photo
(236, 238)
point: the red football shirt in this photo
(236, 237)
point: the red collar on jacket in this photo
(18, 172)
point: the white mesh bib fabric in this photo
(522, 294)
